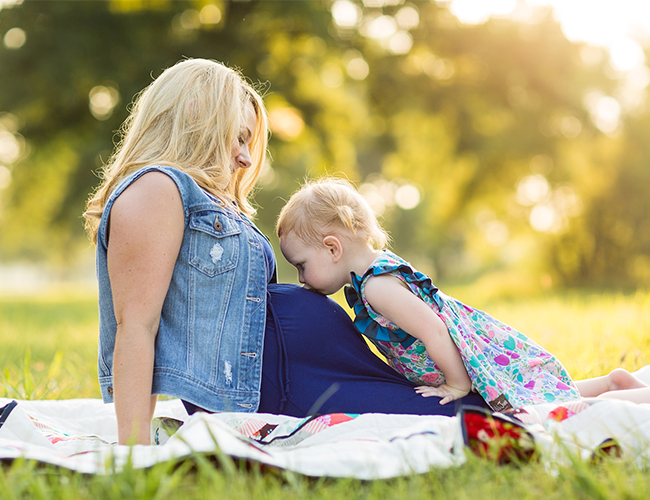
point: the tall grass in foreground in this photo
(49, 350)
(200, 478)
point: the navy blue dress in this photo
(315, 361)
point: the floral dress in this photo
(506, 368)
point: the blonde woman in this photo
(187, 296)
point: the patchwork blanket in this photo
(81, 434)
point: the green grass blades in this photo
(49, 347)
(201, 478)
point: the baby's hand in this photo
(444, 391)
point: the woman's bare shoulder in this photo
(153, 191)
(153, 200)
(150, 185)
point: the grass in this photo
(49, 349)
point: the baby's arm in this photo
(390, 298)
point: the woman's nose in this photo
(244, 157)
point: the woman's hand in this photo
(146, 232)
(444, 391)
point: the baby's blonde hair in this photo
(188, 119)
(322, 206)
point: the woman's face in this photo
(241, 157)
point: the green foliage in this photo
(465, 115)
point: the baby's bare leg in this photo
(617, 380)
(621, 380)
(639, 395)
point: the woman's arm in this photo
(390, 298)
(145, 235)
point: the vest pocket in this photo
(214, 243)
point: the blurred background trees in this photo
(491, 149)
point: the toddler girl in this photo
(329, 233)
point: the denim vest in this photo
(209, 345)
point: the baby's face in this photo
(316, 268)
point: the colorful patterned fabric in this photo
(506, 368)
(289, 433)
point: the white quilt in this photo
(80, 435)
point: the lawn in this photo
(49, 346)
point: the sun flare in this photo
(622, 26)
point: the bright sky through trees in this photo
(620, 25)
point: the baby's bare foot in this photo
(621, 379)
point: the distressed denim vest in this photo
(209, 345)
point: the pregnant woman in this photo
(188, 304)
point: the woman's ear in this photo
(334, 247)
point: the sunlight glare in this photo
(5, 177)
(543, 218)
(9, 3)
(626, 54)
(379, 28)
(496, 233)
(440, 69)
(102, 101)
(532, 189)
(471, 12)
(584, 21)
(210, 14)
(346, 14)
(357, 68)
(381, 3)
(607, 114)
(400, 43)
(14, 38)
(601, 22)
(503, 8)
(286, 123)
(9, 147)
(407, 197)
(474, 12)
(331, 75)
(407, 18)
(190, 20)
(371, 194)
(605, 111)
(631, 93)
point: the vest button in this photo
(218, 226)
(109, 389)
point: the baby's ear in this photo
(334, 247)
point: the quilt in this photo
(81, 435)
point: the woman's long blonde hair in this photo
(187, 119)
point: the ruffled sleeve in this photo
(366, 320)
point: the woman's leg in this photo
(315, 361)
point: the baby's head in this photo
(330, 206)
(318, 212)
